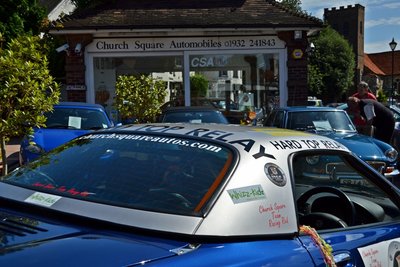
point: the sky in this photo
(382, 20)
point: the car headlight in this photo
(391, 154)
(35, 148)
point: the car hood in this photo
(52, 138)
(30, 242)
(361, 145)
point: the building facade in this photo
(255, 49)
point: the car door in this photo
(372, 237)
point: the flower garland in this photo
(325, 248)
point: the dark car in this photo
(193, 114)
(67, 121)
(177, 195)
(336, 124)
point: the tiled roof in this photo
(159, 14)
(368, 63)
(383, 62)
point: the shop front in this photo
(244, 71)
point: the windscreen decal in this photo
(246, 194)
(157, 139)
(386, 253)
(63, 189)
(42, 199)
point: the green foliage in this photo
(332, 65)
(26, 87)
(139, 97)
(20, 17)
(198, 85)
(381, 96)
(294, 5)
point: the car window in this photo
(163, 174)
(75, 118)
(339, 193)
(319, 120)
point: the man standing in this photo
(375, 114)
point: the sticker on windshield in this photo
(246, 194)
(275, 174)
(386, 253)
(42, 199)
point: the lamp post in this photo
(392, 45)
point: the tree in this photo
(331, 66)
(139, 97)
(198, 85)
(20, 17)
(294, 5)
(26, 89)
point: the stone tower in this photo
(349, 21)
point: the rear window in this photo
(157, 173)
(76, 118)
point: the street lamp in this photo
(392, 45)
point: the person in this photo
(363, 91)
(375, 114)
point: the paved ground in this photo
(12, 150)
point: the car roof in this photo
(191, 108)
(78, 105)
(308, 108)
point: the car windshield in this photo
(158, 173)
(75, 118)
(320, 121)
(199, 116)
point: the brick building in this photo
(243, 47)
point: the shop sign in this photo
(184, 44)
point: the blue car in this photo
(336, 124)
(199, 195)
(67, 121)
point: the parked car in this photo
(237, 114)
(198, 195)
(193, 114)
(336, 124)
(67, 121)
(232, 112)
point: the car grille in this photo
(342, 168)
(377, 165)
(338, 167)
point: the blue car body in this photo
(78, 118)
(380, 155)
